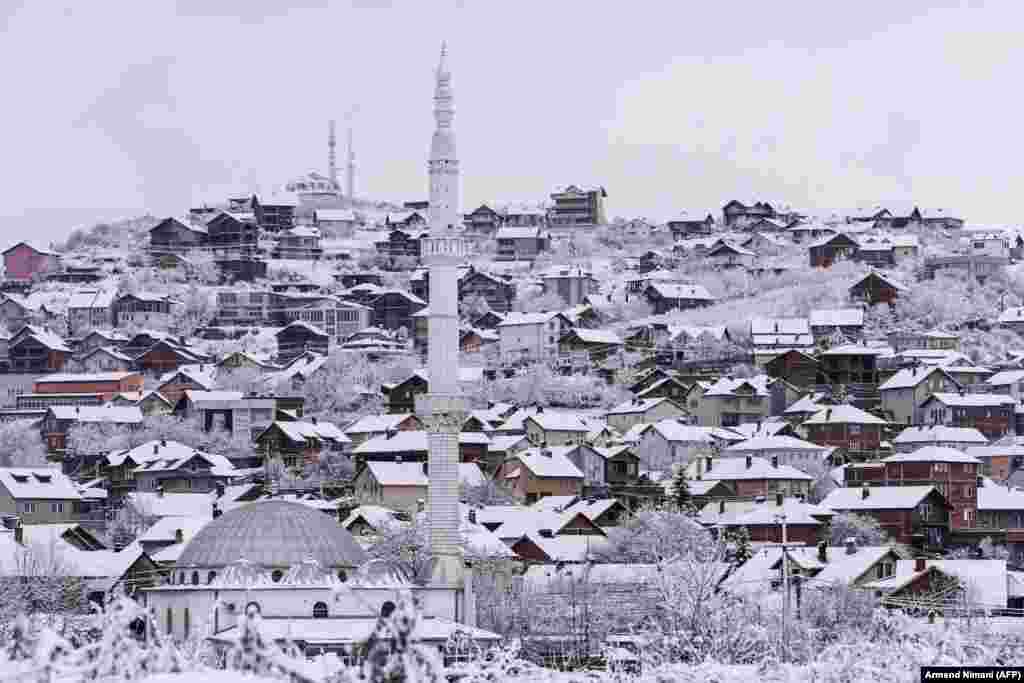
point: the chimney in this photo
(865, 491)
(420, 505)
(707, 463)
(851, 545)
(828, 414)
(179, 536)
(540, 410)
(780, 498)
(216, 510)
(472, 516)
(220, 489)
(156, 449)
(546, 533)
(775, 461)
(313, 419)
(920, 564)
(388, 433)
(159, 491)
(163, 443)
(750, 461)
(19, 532)
(721, 506)
(822, 552)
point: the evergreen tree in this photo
(681, 490)
(743, 551)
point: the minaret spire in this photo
(443, 410)
(350, 170)
(332, 165)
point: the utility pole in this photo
(783, 640)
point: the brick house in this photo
(846, 427)
(25, 262)
(539, 472)
(805, 523)
(953, 473)
(912, 515)
(751, 477)
(990, 414)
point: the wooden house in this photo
(520, 243)
(299, 443)
(172, 235)
(483, 220)
(298, 338)
(665, 297)
(166, 355)
(33, 349)
(874, 288)
(832, 249)
(796, 367)
(685, 228)
(990, 414)
(275, 213)
(234, 233)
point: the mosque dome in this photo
(273, 533)
(312, 183)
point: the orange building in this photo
(106, 384)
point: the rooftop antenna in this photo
(332, 143)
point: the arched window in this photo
(195, 578)
(210, 577)
(276, 575)
(387, 609)
(320, 610)
(252, 609)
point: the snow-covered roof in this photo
(933, 454)
(371, 424)
(86, 377)
(166, 528)
(907, 378)
(1006, 377)
(844, 567)
(91, 298)
(172, 504)
(986, 580)
(878, 498)
(795, 510)
(559, 422)
(728, 386)
(940, 433)
(38, 482)
(858, 350)
(598, 336)
(548, 462)
(105, 413)
(805, 404)
(668, 290)
(673, 430)
(398, 473)
(994, 497)
(765, 428)
(298, 431)
(517, 233)
(837, 317)
(410, 441)
(638, 405)
(527, 318)
(843, 414)
(735, 469)
(971, 400)
(376, 516)
(770, 443)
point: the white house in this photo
(531, 336)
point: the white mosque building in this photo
(308, 578)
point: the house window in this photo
(886, 569)
(28, 507)
(170, 620)
(925, 510)
(56, 507)
(968, 516)
(968, 491)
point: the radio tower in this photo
(332, 163)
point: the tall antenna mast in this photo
(332, 163)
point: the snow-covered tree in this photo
(654, 534)
(866, 530)
(21, 445)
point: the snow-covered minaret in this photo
(350, 169)
(443, 409)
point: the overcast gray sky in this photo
(115, 108)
